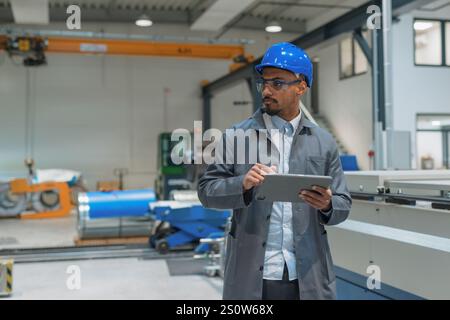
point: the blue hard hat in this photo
(286, 56)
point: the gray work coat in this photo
(313, 152)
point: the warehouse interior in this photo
(91, 205)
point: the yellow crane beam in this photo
(143, 48)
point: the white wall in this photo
(97, 113)
(417, 89)
(347, 104)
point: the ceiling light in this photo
(273, 27)
(422, 25)
(144, 21)
(436, 123)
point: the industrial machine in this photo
(212, 249)
(175, 177)
(170, 176)
(349, 162)
(183, 221)
(397, 235)
(115, 214)
(188, 224)
(31, 46)
(11, 205)
(29, 200)
(131, 213)
(48, 199)
(30, 49)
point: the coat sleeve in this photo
(341, 201)
(220, 187)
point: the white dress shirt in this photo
(280, 241)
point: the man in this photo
(280, 250)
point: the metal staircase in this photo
(322, 122)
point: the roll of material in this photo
(115, 204)
(115, 227)
(11, 205)
(115, 214)
(45, 201)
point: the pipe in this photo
(388, 95)
(113, 204)
(115, 214)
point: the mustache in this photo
(267, 99)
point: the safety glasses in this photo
(275, 84)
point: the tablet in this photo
(286, 187)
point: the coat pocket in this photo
(315, 165)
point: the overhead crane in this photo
(33, 48)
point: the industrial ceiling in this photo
(250, 14)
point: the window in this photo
(429, 150)
(346, 58)
(432, 42)
(433, 141)
(360, 60)
(352, 59)
(428, 42)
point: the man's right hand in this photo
(255, 176)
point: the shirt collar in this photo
(280, 123)
(259, 123)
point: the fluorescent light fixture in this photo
(422, 25)
(273, 27)
(144, 21)
(436, 123)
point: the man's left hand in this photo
(320, 199)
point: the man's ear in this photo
(301, 88)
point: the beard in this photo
(269, 110)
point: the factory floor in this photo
(119, 278)
(42, 233)
(123, 279)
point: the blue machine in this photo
(207, 247)
(349, 162)
(115, 214)
(113, 204)
(121, 213)
(188, 225)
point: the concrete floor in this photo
(111, 279)
(129, 278)
(19, 233)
